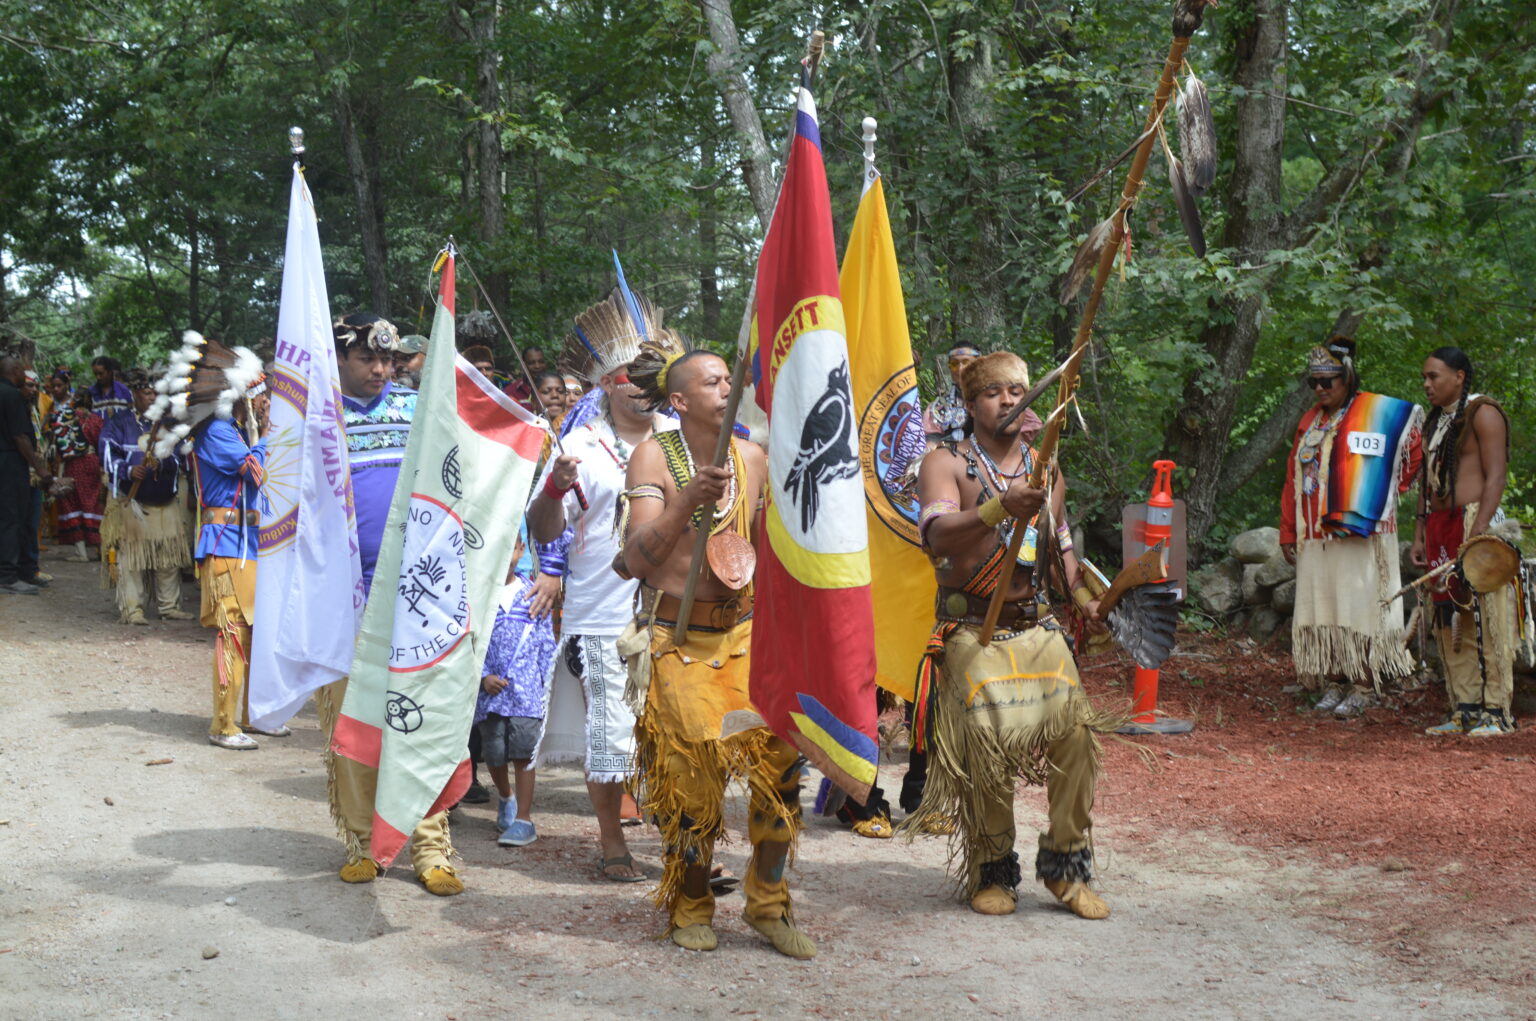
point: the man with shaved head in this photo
(684, 692)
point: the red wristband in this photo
(553, 491)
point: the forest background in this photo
(1377, 176)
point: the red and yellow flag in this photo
(813, 654)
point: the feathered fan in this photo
(204, 380)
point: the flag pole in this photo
(739, 373)
(1186, 19)
(581, 498)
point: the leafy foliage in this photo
(144, 175)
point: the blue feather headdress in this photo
(608, 335)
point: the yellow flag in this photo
(891, 441)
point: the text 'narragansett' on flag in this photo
(813, 657)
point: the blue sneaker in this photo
(506, 811)
(520, 834)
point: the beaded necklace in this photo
(681, 465)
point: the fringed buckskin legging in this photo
(684, 768)
(1015, 708)
(229, 605)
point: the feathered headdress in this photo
(649, 369)
(1335, 358)
(203, 381)
(608, 335)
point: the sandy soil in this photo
(123, 877)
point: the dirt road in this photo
(124, 878)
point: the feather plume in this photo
(1086, 259)
(1189, 213)
(1197, 136)
(203, 379)
(641, 326)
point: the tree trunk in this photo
(1201, 429)
(194, 273)
(370, 222)
(725, 65)
(978, 282)
(488, 139)
(1198, 434)
(709, 254)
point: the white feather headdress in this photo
(203, 380)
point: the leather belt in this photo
(229, 516)
(965, 608)
(718, 614)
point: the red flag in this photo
(813, 653)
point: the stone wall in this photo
(1252, 590)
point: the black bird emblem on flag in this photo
(824, 455)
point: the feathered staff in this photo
(1103, 243)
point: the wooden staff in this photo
(554, 434)
(1186, 19)
(739, 374)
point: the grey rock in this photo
(1216, 591)
(1256, 545)
(1266, 620)
(1274, 571)
(209, 953)
(1254, 594)
(1283, 598)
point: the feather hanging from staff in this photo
(1085, 260)
(1189, 213)
(1197, 136)
(203, 380)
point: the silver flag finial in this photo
(296, 140)
(870, 124)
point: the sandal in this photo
(722, 882)
(622, 861)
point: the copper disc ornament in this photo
(732, 558)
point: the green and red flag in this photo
(452, 525)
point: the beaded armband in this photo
(931, 513)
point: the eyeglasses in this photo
(1321, 382)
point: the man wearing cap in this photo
(988, 714)
(149, 538)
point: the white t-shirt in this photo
(597, 600)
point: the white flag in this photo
(309, 588)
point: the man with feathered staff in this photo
(216, 397)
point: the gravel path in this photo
(205, 886)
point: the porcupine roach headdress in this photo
(608, 335)
(203, 381)
(650, 368)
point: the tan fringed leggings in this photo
(229, 604)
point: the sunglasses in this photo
(1321, 382)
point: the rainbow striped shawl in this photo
(1366, 459)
